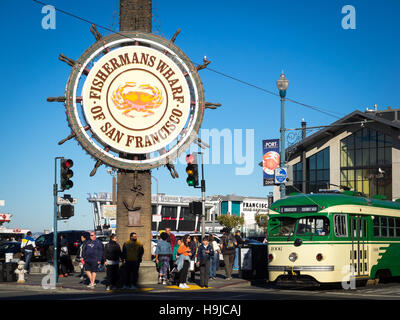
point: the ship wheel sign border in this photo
(88, 137)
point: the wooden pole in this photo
(134, 187)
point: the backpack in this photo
(229, 243)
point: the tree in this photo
(262, 220)
(230, 221)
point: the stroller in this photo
(173, 276)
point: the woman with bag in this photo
(184, 261)
(194, 246)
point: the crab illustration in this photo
(144, 99)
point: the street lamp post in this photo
(282, 83)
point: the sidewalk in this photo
(73, 282)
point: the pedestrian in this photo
(64, 257)
(175, 251)
(214, 261)
(183, 262)
(171, 238)
(163, 256)
(194, 246)
(112, 256)
(92, 255)
(28, 246)
(240, 242)
(204, 255)
(79, 258)
(228, 245)
(132, 253)
(172, 241)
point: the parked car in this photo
(103, 238)
(251, 241)
(45, 242)
(10, 247)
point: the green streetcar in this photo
(332, 238)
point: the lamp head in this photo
(282, 83)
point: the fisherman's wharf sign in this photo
(135, 101)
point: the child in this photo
(203, 256)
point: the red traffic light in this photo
(189, 159)
(67, 163)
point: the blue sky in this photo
(327, 66)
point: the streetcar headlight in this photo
(319, 256)
(293, 257)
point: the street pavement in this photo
(42, 282)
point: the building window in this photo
(362, 154)
(186, 215)
(168, 212)
(318, 171)
(297, 179)
(235, 208)
(224, 207)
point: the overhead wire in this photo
(318, 109)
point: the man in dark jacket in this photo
(92, 255)
(132, 253)
(240, 243)
(112, 255)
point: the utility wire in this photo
(324, 111)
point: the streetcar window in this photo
(313, 225)
(397, 227)
(384, 227)
(376, 227)
(340, 221)
(282, 227)
(391, 227)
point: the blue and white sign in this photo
(280, 175)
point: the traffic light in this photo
(66, 174)
(66, 211)
(192, 171)
(196, 207)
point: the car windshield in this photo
(318, 226)
(285, 226)
(6, 246)
(282, 227)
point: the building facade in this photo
(359, 152)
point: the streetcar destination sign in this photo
(298, 209)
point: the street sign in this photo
(66, 201)
(280, 175)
